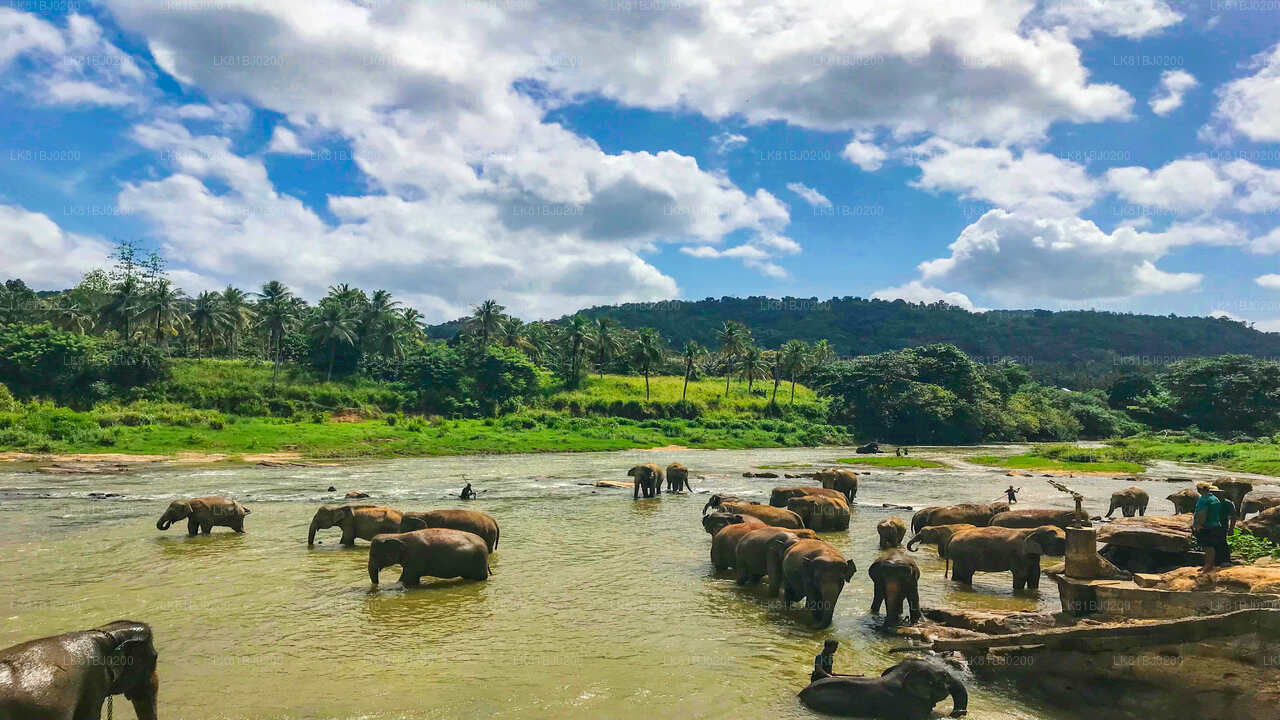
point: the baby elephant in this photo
(203, 513)
(437, 552)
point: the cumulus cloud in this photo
(1123, 18)
(917, 292)
(69, 65)
(811, 196)
(1271, 281)
(727, 142)
(1251, 105)
(33, 247)
(285, 142)
(1197, 186)
(1041, 183)
(1173, 85)
(866, 155)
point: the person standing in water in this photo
(1012, 494)
(467, 493)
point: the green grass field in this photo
(890, 462)
(1262, 458)
(1039, 462)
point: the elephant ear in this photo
(348, 511)
(181, 508)
(1034, 544)
(922, 683)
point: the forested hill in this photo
(854, 326)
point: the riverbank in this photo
(1137, 454)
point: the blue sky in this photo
(1119, 155)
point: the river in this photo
(600, 606)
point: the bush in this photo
(7, 403)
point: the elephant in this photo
(840, 479)
(1265, 524)
(1000, 549)
(1236, 490)
(815, 571)
(780, 495)
(1129, 500)
(1035, 518)
(939, 535)
(356, 521)
(968, 513)
(760, 552)
(470, 521)
(715, 500)
(724, 544)
(896, 578)
(821, 513)
(778, 517)
(717, 521)
(678, 478)
(438, 552)
(1256, 502)
(1184, 501)
(870, 448)
(906, 691)
(69, 676)
(648, 478)
(203, 513)
(891, 531)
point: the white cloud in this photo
(1251, 105)
(71, 65)
(1124, 18)
(866, 155)
(285, 142)
(727, 142)
(811, 196)
(33, 247)
(1270, 281)
(1266, 244)
(1180, 186)
(917, 292)
(1042, 183)
(1173, 85)
(1019, 257)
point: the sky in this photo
(1063, 154)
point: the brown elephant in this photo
(1259, 500)
(1129, 501)
(724, 544)
(781, 495)
(964, 513)
(678, 478)
(1035, 518)
(891, 531)
(939, 535)
(821, 513)
(843, 480)
(1236, 490)
(1002, 549)
(896, 578)
(778, 517)
(717, 521)
(203, 513)
(70, 676)
(471, 521)
(1184, 501)
(356, 521)
(760, 552)
(816, 572)
(716, 499)
(437, 552)
(647, 478)
(906, 691)
(1265, 524)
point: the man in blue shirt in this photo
(1227, 518)
(1206, 524)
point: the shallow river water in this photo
(600, 606)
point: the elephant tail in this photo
(497, 535)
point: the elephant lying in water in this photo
(356, 521)
(203, 513)
(69, 676)
(1000, 549)
(968, 513)
(471, 521)
(906, 691)
(780, 517)
(816, 572)
(437, 552)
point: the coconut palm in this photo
(822, 355)
(733, 338)
(691, 353)
(606, 342)
(278, 313)
(208, 318)
(754, 366)
(163, 306)
(333, 325)
(576, 335)
(486, 320)
(647, 351)
(793, 357)
(235, 304)
(121, 307)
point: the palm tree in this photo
(332, 325)
(208, 318)
(605, 341)
(121, 306)
(647, 351)
(793, 357)
(277, 311)
(773, 359)
(235, 304)
(486, 318)
(163, 305)
(733, 338)
(822, 354)
(577, 334)
(380, 325)
(692, 353)
(754, 366)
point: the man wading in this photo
(825, 661)
(1207, 524)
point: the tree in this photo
(794, 358)
(486, 319)
(576, 335)
(332, 325)
(822, 355)
(208, 318)
(733, 338)
(277, 311)
(692, 353)
(164, 308)
(754, 366)
(605, 342)
(239, 313)
(647, 351)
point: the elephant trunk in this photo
(311, 534)
(374, 569)
(913, 542)
(144, 698)
(163, 523)
(959, 697)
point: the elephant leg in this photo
(635, 491)
(409, 579)
(789, 594)
(193, 527)
(913, 597)
(238, 525)
(877, 597)
(744, 577)
(1142, 511)
(206, 527)
(348, 536)
(1110, 511)
(961, 573)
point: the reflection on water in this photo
(599, 606)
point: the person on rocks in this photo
(825, 661)
(1227, 517)
(1206, 524)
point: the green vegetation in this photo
(890, 462)
(1261, 456)
(1033, 461)
(1247, 548)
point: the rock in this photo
(103, 496)
(1263, 576)
(356, 495)
(1265, 524)
(990, 622)
(614, 484)
(768, 475)
(1259, 500)
(1163, 533)
(332, 489)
